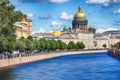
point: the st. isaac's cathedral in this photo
(80, 22)
(80, 33)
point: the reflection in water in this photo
(73, 67)
(6, 74)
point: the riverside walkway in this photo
(22, 59)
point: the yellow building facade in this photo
(23, 28)
(55, 32)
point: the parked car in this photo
(6, 53)
(2, 56)
(28, 52)
(35, 51)
(15, 52)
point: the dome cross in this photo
(79, 8)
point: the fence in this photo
(114, 53)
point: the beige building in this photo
(113, 41)
(85, 37)
(100, 41)
(23, 28)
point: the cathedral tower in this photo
(80, 22)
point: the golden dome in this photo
(80, 14)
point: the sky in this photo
(50, 15)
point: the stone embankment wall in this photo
(7, 62)
(114, 53)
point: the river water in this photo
(73, 67)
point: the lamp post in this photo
(95, 43)
(1, 46)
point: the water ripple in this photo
(74, 67)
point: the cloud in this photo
(65, 16)
(55, 23)
(116, 1)
(41, 30)
(45, 17)
(31, 1)
(45, 1)
(58, 1)
(30, 15)
(117, 11)
(103, 2)
(108, 29)
(117, 22)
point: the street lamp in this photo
(1, 46)
(95, 43)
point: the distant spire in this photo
(79, 8)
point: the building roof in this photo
(112, 33)
(80, 13)
(17, 25)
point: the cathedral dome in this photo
(80, 14)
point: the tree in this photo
(36, 44)
(53, 44)
(30, 38)
(80, 45)
(64, 46)
(56, 44)
(104, 45)
(41, 44)
(71, 45)
(117, 45)
(112, 46)
(61, 45)
(8, 16)
(29, 45)
(76, 47)
(22, 38)
(20, 45)
(9, 44)
(47, 45)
